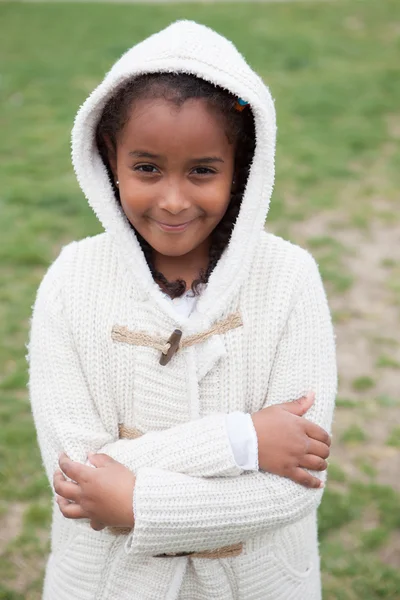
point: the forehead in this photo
(161, 125)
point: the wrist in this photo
(255, 442)
(128, 515)
(256, 425)
(254, 419)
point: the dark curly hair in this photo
(177, 88)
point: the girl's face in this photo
(175, 167)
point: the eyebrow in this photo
(143, 154)
(208, 159)
(204, 159)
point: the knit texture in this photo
(190, 495)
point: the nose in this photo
(173, 199)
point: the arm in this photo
(179, 513)
(66, 417)
(105, 496)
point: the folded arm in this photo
(67, 418)
(180, 513)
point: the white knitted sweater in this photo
(190, 495)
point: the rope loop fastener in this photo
(171, 347)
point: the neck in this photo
(186, 267)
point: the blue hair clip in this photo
(240, 104)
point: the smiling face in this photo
(175, 167)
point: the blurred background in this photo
(334, 70)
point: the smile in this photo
(174, 228)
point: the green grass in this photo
(336, 473)
(394, 437)
(354, 434)
(366, 468)
(388, 361)
(345, 403)
(331, 259)
(333, 69)
(350, 549)
(387, 401)
(363, 383)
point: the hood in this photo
(186, 47)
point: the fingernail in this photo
(321, 484)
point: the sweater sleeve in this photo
(67, 419)
(180, 513)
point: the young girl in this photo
(165, 354)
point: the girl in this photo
(166, 351)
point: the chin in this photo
(173, 249)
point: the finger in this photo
(58, 476)
(71, 510)
(96, 525)
(312, 462)
(74, 470)
(306, 479)
(318, 448)
(66, 489)
(100, 460)
(317, 433)
(300, 406)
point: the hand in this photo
(288, 444)
(104, 495)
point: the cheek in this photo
(136, 201)
(141, 198)
(215, 199)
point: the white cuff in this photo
(243, 439)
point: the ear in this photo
(111, 155)
(234, 183)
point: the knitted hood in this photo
(186, 47)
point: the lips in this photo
(174, 228)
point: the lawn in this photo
(334, 72)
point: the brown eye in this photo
(146, 169)
(203, 171)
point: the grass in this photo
(394, 437)
(386, 401)
(354, 434)
(331, 259)
(388, 361)
(363, 383)
(334, 73)
(345, 403)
